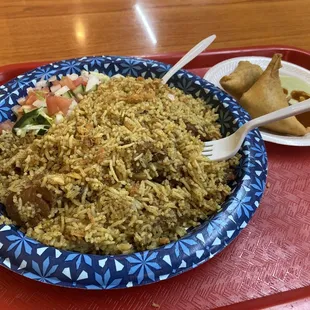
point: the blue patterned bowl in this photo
(47, 264)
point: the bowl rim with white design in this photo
(37, 261)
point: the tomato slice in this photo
(56, 82)
(30, 99)
(66, 81)
(78, 81)
(7, 125)
(57, 104)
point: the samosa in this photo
(242, 79)
(266, 96)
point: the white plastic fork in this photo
(195, 51)
(226, 148)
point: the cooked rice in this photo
(125, 170)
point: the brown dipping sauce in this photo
(300, 96)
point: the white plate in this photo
(226, 67)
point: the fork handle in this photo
(196, 50)
(292, 110)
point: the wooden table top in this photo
(33, 30)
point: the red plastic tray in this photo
(266, 267)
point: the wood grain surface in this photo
(51, 30)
